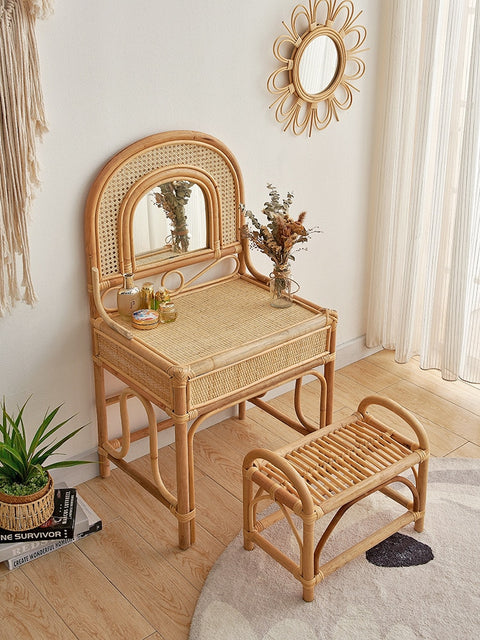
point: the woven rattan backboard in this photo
(159, 152)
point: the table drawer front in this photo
(142, 374)
(242, 374)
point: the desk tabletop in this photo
(228, 317)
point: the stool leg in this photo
(248, 524)
(422, 493)
(308, 549)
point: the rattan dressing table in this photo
(227, 346)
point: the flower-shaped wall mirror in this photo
(319, 63)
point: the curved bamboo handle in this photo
(400, 411)
(286, 468)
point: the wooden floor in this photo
(130, 582)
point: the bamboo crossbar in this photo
(142, 480)
(398, 497)
(294, 424)
(367, 543)
(267, 521)
(279, 556)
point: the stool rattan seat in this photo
(331, 470)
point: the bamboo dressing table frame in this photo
(227, 346)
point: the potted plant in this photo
(26, 486)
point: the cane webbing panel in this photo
(339, 460)
(247, 372)
(135, 369)
(191, 154)
(226, 338)
(223, 318)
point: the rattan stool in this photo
(329, 471)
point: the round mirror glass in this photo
(168, 221)
(318, 65)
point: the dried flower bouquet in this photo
(277, 238)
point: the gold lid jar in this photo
(148, 295)
(145, 319)
(165, 306)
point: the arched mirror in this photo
(319, 64)
(169, 220)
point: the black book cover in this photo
(59, 527)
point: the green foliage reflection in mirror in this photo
(170, 220)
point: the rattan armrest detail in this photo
(101, 311)
(400, 411)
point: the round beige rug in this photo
(411, 586)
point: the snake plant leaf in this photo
(13, 460)
(19, 462)
(65, 463)
(37, 438)
(47, 435)
(39, 458)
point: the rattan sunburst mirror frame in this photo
(295, 107)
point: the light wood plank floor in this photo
(130, 582)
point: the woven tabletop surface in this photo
(224, 317)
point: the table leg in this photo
(330, 374)
(329, 377)
(242, 410)
(182, 473)
(102, 426)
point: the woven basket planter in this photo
(20, 513)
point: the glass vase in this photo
(282, 287)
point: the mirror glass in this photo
(318, 65)
(170, 220)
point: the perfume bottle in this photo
(168, 313)
(165, 306)
(129, 296)
(148, 295)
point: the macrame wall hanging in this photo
(22, 123)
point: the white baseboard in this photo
(347, 353)
(352, 351)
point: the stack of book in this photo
(71, 520)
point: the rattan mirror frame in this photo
(132, 171)
(296, 108)
(127, 258)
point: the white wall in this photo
(115, 71)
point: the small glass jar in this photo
(168, 313)
(129, 297)
(165, 306)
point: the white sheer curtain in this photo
(424, 296)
